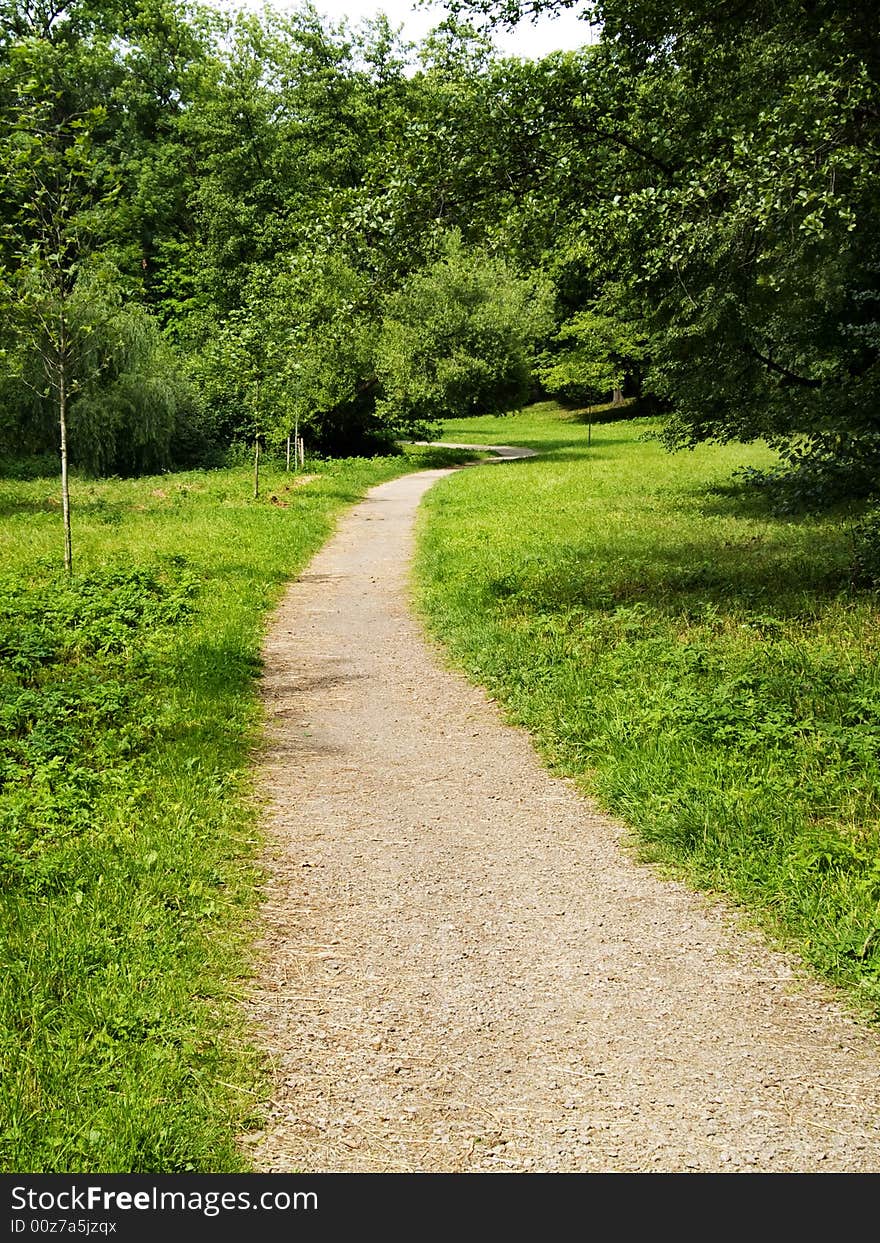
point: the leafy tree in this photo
(135, 411)
(58, 186)
(489, 147)
(329, 311)
(458, 338)
(759, 275)
(742, 146)
(242, 366)
(299, 353)
(591, 355)
(81, 354)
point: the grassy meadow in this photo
(127, 821)
(703, 667)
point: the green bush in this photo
(458, 338)
(866, 550)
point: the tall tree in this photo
(458, 337)
(58, 189)
(745, 154)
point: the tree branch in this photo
(790, 376)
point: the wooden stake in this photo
(65, 481)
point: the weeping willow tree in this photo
(127, 403)
(48, 294)
(136, 402)
(82, 372)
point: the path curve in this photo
(503, 453)
(461, 968)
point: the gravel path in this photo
(461, 967)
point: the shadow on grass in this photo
(436, 458)
(565, 451)
(215, 670)
(605, 414)
(737, 499)
(27, 469)
(726, 581)
(12, 506)
(84, 509)
(551, 450)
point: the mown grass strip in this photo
(704, 668)
(128, 713)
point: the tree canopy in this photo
(324, 226)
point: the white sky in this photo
(527, 40)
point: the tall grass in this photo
(127, 819)
(702, 667)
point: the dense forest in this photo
(217, 229)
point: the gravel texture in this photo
(461, 966)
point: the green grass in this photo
(128, 714)
(702, 668)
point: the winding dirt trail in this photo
(462, 968)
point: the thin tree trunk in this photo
(296, 443)
(302, 452)
(287, 465)
(256, 468)
(62, 423)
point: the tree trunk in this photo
(296, 443)
(617, 399)
(287, 464)
(62, 424)
(256, 468)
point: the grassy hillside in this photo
(127, 714)
(702, 667)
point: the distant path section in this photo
(461, 969)
(503, 453)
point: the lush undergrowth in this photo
(127, 827)
(703, 667)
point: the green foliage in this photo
(66, 695)
(459, 337)
(748, 247)
(866, 550)
(698, 188)
(326, 310)
(99, 1030)
(808, 479)
(265, 187)
(131, 408)
(79, 99)
(591, 355)
(737, 148)
(709, 674)
(143, 413)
